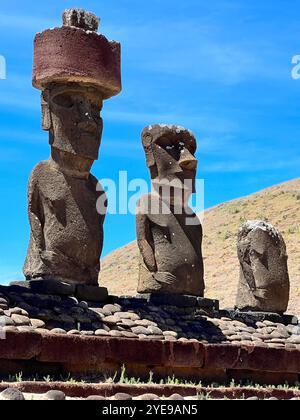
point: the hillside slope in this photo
(280, 205)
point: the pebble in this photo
(10, 329)
(294, 339)
(140, 330)
(155, 331)
(235, 338)
(37, 323)
(170, 334)
(277, 334)
(98, 312)
(176, 397)
(74, 332)
(170, 338)
(55, 396)
(110, 309)
(114, 333)
(128, 323)
(270, 324)
(6, 321)
(145, 323)
(17, 311)
(11, 394)
(122, 397)
(293, 330)
(95, 398)
(25, 328)
(128, 334)
(148, 397)
(88, 333)
(58, 331)
(111, 320)
(102, 333)
(83, 305)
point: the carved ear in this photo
(147, 143)
(46, 116)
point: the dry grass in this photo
(280, 205)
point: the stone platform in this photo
(182, 335)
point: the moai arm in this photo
(35, 213)
(145, 241)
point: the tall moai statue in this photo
(264, 279)
(169, 233)
(76, 69)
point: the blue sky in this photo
(221, 68)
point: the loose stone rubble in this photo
(13, 394)
(137, 318)
(169, 233)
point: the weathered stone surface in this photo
(111, 320)
(122, 397)
(58, 331)
(169, 234)
(80, 18)
(6, 321)
(264, 279)
(66, 205)
(101, 333)
(148, 397)
(20, 320)
(176, 397)
(141, 331)
(111, 309)
(55, 396)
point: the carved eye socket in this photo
(65, 101)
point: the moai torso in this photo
(264, 280)
(76, 69)
(169, 234)
(67, 235)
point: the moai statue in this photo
(169, 233)
(264, 280)
(76, 69)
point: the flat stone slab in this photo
(53, 287)
(41, 286)
(91, 293)
(253, 317)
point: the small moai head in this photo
(170, 154)
(80, 18)
(264, 279)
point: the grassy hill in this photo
(280, 205)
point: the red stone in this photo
(71, 54)
(20, 346)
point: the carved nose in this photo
(188, 161)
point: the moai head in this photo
(264, 279)
(170, 153)
(76, 68)
(71, 114)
